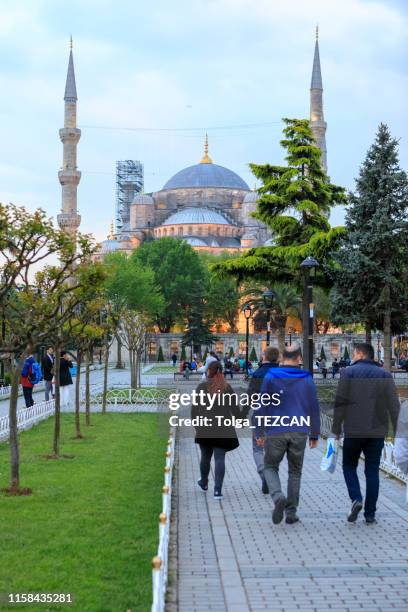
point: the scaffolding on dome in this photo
(129, 182)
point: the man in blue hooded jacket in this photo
(284, 429)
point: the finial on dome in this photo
(205, 158)
(111, 234)
(317, 32)
(70, 42)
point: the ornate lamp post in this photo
(308, 265)
(248, 315)
(268, 300)
(290, 332)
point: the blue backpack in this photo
(36, 373)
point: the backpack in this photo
(36, 373)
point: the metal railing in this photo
(388, 463)
(27, 417)
(160, 561)
(117, 395)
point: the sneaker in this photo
(277, 514)
(371, 520)
(265, 488)
(355, 511)
(290, 520)
(217, 494)
(202, 486)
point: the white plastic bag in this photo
(329, 459)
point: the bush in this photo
(160, 356)
(346, 354)
(231, 352)
(323, 354)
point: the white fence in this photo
(387, 464)
(160, 561)
(27, 417)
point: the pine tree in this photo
(160, 356)
(371, 282)
(231, 352)
(253, 356)
(322, 353)
(183, 355)
(346, 355)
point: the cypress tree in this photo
(253, 356)
(160, 356)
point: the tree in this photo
(323, 353)
(183, 355)
(346, 355)
(197, 331)
(222, 296)
(132, 333)
(177, 268)
(160, 356)
(35, 304)
(253, 356)
(371, 282)
(231, 352)
(295, 202)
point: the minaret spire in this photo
(317, 122)
(69, 176)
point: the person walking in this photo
(323, 367)
(217, 438)
(174, 359)
(211, 357)
(27, 381)
(335, 367)
(65, 379)
(366, 403)
(270, 359)
(228, 367)
(47, 365)
(299, 418)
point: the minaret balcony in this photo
(67, 177)
(69, 220)
(70, 134)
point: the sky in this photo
(154, 77)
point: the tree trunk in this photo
(87, 390)
(119, 364)
(57, 418)
(78, 396)
(14, 450)
(387, 330)
(281, 339)
(139, 380)
(368, 335)
(105, 379)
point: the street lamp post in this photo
(248, 315)
(378, 347)
(268, 299)
(290, 332)
(308, 265)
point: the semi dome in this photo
(143, 198)
(206, 175)
(231, 243)
(192, 216)
(251, 197)
(195, 242)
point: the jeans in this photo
(293, 445)
(258, 453)
(372, 449)
(28, 396)
(205, 464)
(48, 389)
(230, 373)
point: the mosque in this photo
(207, 205)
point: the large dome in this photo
(194, 216)
(206, 175)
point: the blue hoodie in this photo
(298, 398)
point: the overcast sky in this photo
(205, 64)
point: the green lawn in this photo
(91, 526)
(163, 369)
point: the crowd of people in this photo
(231, 364)
(366, 410)
(33, 372)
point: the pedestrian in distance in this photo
(65, 379)
(366, 404)
(28, 380)
(323, 367)
(335, 367)
(47, 363)
(211, 357)
(270, 359)
(300, 407)
(174, 359)
(217, 437)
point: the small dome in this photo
(269, 242)
(231, 243)
(213, 243)
(194, 216)
(143, 198)
(108, 246)
(195, 242)
(206, 175)
(248, 236)
(251, 197)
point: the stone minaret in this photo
(69, 175)
(317, 122)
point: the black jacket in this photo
(217, 435)
(367, 404)
(47, 367)
(65, 374)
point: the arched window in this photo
(180, 231)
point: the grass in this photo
(162, 369)
(90, 527)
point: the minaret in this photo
(317, 122)
(69, 176)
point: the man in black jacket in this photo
(47, 365)
(366, 404)
(269, 360)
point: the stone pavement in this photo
(229, 556)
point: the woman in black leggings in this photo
(218, 437)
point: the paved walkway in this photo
(231, 558)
